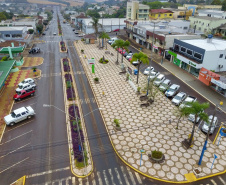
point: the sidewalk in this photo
(188, 78)
(150, 128)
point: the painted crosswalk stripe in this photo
(116, 171)
(214, 183)
(105, 177)
(138, 178)
(125, 177)
(93, 182)
(73, 180)
(60, 182)
(99, 178)
(131, 175)
(222, 180)
(80, 181)
(112, 177)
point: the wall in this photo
(162, 16)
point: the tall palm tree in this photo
(196, 109)
(117, 44)
(141, 58)
(95, 25)
(104, 36)
(124, 45)
(180, 113)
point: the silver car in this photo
(179, 98)
(148, 70)
(160, 78)
(130, 55)
(164, 85)
(173, 89)
(206, 126)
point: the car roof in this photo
(180, 94)
(211, 117)
(160, 75)
(28, 79)
(166, 81)
(174, 86)
(22, 109)
(189, 99)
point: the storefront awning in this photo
(219, 83)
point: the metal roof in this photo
(14, 50)
(5, 67)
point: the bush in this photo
(30, 31)
(116, 121)
(138, 89)
(224, 38)
(82, 50)
(5, 58)
(68, 84)
(156, 154)
(96, 79)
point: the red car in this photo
(23, 94)
(116, 30)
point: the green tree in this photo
(141, 58)
(2, 16)
(180, 113)
(96, 25)
(117, 44)
(30, 31)
(104, 36)
(39, 28)
(224, 5)
(196, 109)
(93, 13)
(124, 45)
(216, 2)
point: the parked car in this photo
(112, 40)
(23, 94)
(130, 55)
(164, 85)
(43, 33)
(26, 87)
(191, 118)
(81, 35)
(27, 80)
(159, 79)
(173, 89)
(135, 63)
(153, 75)
(73, 29)
(19, 115)
(54, 33)
(76, 32)
(206, 125)
(34, 50)
(188, 99)
(116, 30)
(179, 98)
(148, 70)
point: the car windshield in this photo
(164, 85)
(20, 86)
(171, 89)
(186, 101)
(19, 93)
(177, 97)
(13, 114)
(148, 69)
(23, 82)
(152, 74)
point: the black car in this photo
(73, 30)
(43, 34)
(34, 50)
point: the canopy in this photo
(13, 50)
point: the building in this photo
(192, 55)
(13, 33)
(77, 20)
(180, 14)
(160, 14)
(109, 25)
(137, 11)
(206, 24)
(212, 13)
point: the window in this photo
(225, 57)
(170, 14)
(185, 28)
(7, 35)
(208, 24)
(221, 56)
(18, 115)
(176, 47)
(197, 55)
(183, 49)
(23, 113)
(189, 51)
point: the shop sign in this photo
(192, 64)
(155, 47)
(176, 61)
(172, 53)
(219, 83)
(185, 60)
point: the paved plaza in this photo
(151, 128)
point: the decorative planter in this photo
(96, 82)
(14, 70)
(155, 160)
(117, 128)
(222, 133)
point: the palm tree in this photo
(196, 109)
(141, 58)
(117, 44)
(104, 36)
(95, 25)
(180, 113)
(124, 45)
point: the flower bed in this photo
(59, 26)
(70, 90)
(66, 65)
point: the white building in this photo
(212, 13)
(192, 55)
(109, 24)
(13, 33)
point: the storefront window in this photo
(194, 71)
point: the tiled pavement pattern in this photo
(32, 61)
(6, 96)
(145, 128)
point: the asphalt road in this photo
(38, 147)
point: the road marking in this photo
(125, 177)
(80, 181)
(73, 180)
(14, 165)
(16, 137)
(112, 177)
(48, 172)
(20, 125)
(138, 177)
(222, 180)
(120, 181)
(99, 178)
(131, 175)
(105, 177)
(214, 183)
(14, 150)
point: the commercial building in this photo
(180, 14)
(192, 55)
(137, 11)
(160, 14)
(13, 33)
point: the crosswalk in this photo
(113, 176)
(218, 180)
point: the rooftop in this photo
(12, 28)
(207, 18)
(215, 45)
(106, 21)
(8, 43)
(5, 67)
(160, 11)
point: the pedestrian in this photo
(103, 93)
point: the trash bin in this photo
(135, 71)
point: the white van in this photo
(112, 40)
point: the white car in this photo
(164, 85)
(81, 35)
(19, 115)
(26, 86)
(173, 89)
(148, 70)
(206, 126)
(179, 98)
(130, 55)
(189, 99)
(159, 79)
(54, 33)
(191, 118)
(27, 80)
(153, 75)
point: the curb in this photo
(176, 182)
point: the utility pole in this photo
(153, 36)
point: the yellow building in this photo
(160, 14)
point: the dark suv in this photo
(34, 50)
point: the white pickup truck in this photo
(26, 86)
(19, 115)
(188, 99)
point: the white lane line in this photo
(125, 177)
(60, 182)
(119, 178)
(73, 180)
(47, 172)
(93, 182)
(105, 177)
(16, 137)
(214, 183)
(14, 165)
(131, 175)
(222, 180)
(80, 181)
(99, 178)
(20, 125)
(14, 150)
(87, 181)
(138, 177)
(112, 177)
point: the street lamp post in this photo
(163, 49)
(207, 136)
(148, 81)
(76, 118)
(153, 36)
